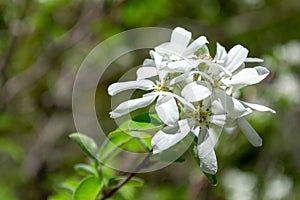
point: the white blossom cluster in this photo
(194, 93)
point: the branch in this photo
(143, 164)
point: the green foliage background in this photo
(43, 42)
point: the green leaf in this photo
(60, 196)
(135, 141)
(127, 193)
(133, 135)
(86, 143)
(120, 140)
(107, 172)
(144, 122)
(150, 118)
(88, 189)
(85, 169)
(212, 178)
(69, 185)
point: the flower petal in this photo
(193, 92)
(131, 105)
(157, 58)
(259, 107)
(206, 153)
(217, 108)
(170, 48)
(232, 106)
(247, 76)
(236, 57)
(179, 78)
(148, 63)
(166, 138)
(116, 88)
(218, 120)
(249, 132)
(146, 72)
(185, 103)
(254, 60)
(202, 74)
(262, 72)
(181, 36)
(181, 66)
(186, 125)
(195, 45)
(167, 110)
(221, 53)
(178, 43)
(217, 68)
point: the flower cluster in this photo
(194, 93)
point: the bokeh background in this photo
(43, 43)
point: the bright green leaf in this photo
(119, 140)
(69, 185)
(88, 189)
(127, 193)
(60, 196)
(86, 143)
(107, 172)
(85, 169)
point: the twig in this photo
(143, 164)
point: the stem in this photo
(143, 164)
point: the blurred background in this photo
(43, 43)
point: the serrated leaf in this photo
(87, 144)
(88, 189)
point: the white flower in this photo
(195, 93)
(179, 55)
(228, 74)
(234, 62)
(166, 106)
(178, 45)
(249, 132)
(204, 125)
(153, 67)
